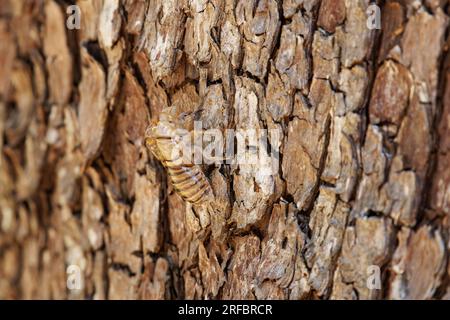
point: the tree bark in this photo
(363, 185)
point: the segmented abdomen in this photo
(189, 181)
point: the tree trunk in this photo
(358, 207)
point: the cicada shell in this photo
(163, 139)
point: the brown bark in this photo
(364, 176)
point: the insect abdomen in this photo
(189, 181)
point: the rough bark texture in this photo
(364, 175)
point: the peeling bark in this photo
(363, 181)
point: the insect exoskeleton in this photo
(164, 140)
